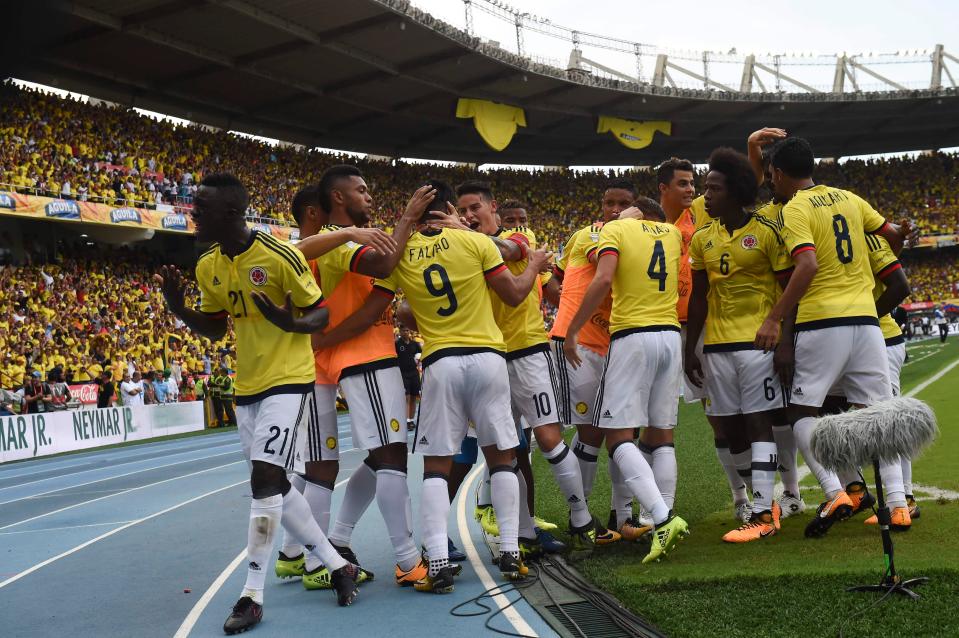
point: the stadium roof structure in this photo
(382, 77)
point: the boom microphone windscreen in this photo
(898, 426)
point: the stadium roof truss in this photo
(382, 77)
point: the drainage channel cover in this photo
(591, 620)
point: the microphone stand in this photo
(891, 581)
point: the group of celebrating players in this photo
(759, 312)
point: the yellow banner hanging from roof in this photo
(495, 122)
(632, 134)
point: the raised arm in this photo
(754, 148)
(378, 263)
(513, 289)
(316, 246)
(213, 327)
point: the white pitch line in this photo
(116, 530)
(57, 529)
(928, 382)
(132, 489)
(116, 476)
(509, 612)
(112, 465)
(191, 618)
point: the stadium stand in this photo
(94, 151)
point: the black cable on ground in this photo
(503, 589)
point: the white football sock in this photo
(892, 484)
(320, 497)
(906, 474)
(291, 547)
(621, 498)
(849, 475)
(827, 479)
(527, 527)
(788, 458)
(736, 484)
(298, 518)
(393, 499)
(360, 490)
(587, 455)
(744, 467)
(265, 515)
(504, 487)
(483, 496)
(434, 508)
(566, 472)
(666, 472)
(639, 477)
(764, 475)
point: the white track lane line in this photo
(132, 489)
(113, 531)
(510, 613)
(116, 476)
(113, 465)
(191, 618)
(57, 529)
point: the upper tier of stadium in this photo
(382, 77)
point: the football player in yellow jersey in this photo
(364, 365)
(890, 289)
(447, 275)
(736, 259)
(274, 373)
(532, 379)
(838, 341)
(578, 386)
(639, 261)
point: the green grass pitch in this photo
(789, 585)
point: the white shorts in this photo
(577, 386)
(377, 400)
(638, 387)
(896, 356)
(532, 388)
(462, 388)
(274, 429)
(740, 382)
(692, 394)
(323, 432)
(850, 360)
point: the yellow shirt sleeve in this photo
(301, 283)
(610, 238)
(796, 233)
(871, 220)
(490, 257)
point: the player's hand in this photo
(450, 219)
(784, 363)
(631, 213)
(765, 135)
(418, 202)
(317, 341)
(910, 232)
(280, 316)
(693, 369)
(569, 349)
(539, 259)
(374, 238)
(768, 335)
(171, 284)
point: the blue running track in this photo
(104, 544)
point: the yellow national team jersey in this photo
(645, 286)
(443, 275)
(833, 222)
(269, 360)
(742, 269)
(522, 326)
(883, 263)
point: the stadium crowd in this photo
(81, 316)
(112, 318)
(94, 151)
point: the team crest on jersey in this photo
(258, 276)
(594, 236)
(331, 442)
(749, 242)
(394, 425)
(581, 408)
